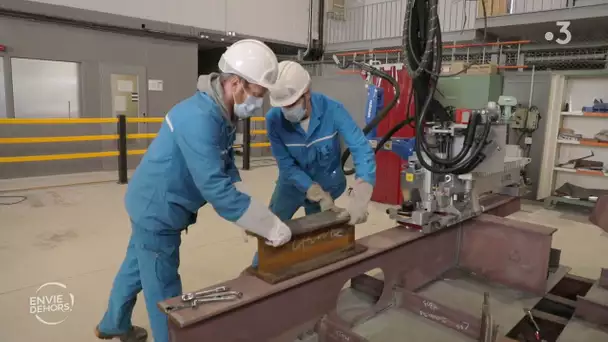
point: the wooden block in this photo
(483, 69)
(493, 8)
(317, 240)
(452, 67)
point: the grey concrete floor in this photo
(77, 236)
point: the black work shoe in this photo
(136, 334)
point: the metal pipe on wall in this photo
(321, 27)
(310, 39)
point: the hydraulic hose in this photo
(422, 48)
(383, 113)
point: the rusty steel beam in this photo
(603, 281)
(599, 215)
(592, 312)
(455, 319)
(408, 259)
(509, 252)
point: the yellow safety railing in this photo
(66, 121)
(122, 152)
(39, 140)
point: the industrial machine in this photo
(438, 200)
(452, 161)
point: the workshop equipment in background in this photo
(445, 178)
(388, 187)
(374, 104)
(492, 8)
(525, 118)
(317, 240)
(576, 163)
(452, 68)
(483, 69)
(438, 200)
(602, 135)
(568, 134)
(469, 91)
(598, 106)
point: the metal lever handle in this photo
(197, 302)
(186, 297)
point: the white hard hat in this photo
(293, 81)
(251, 60)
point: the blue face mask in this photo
(294, 114)
(248, 107)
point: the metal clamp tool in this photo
(186, 297)
(193, 299)
(194, 303)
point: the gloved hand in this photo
(259, 220)
(359, 198)
(316, 194)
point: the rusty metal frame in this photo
(409, 260)
(603, 281)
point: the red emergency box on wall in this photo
(388, 164)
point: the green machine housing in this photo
(469, 91)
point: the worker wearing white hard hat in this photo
(304, 129)
(190, 164)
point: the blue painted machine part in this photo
(403, 147)
(374, 104)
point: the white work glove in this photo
(316, 194)
(241, 188)
(359, 198)
(259, 220)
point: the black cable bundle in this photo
(422, 48)
(380, 116)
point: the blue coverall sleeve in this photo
(362, 152)
(287, 164)
(232, 170)
(199, 142)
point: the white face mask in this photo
(248, 107)
(294, 114)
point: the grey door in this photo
(124, 92)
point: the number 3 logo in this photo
(564, 29)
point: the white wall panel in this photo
(285, 20)
(206, 14)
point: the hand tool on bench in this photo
(222, 290)
(194, 303)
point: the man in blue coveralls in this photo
(304, 129)
(189, 164)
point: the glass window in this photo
(2, 90)
(45, 89)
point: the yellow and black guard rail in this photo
(121, 136)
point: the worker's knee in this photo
(158, 260)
